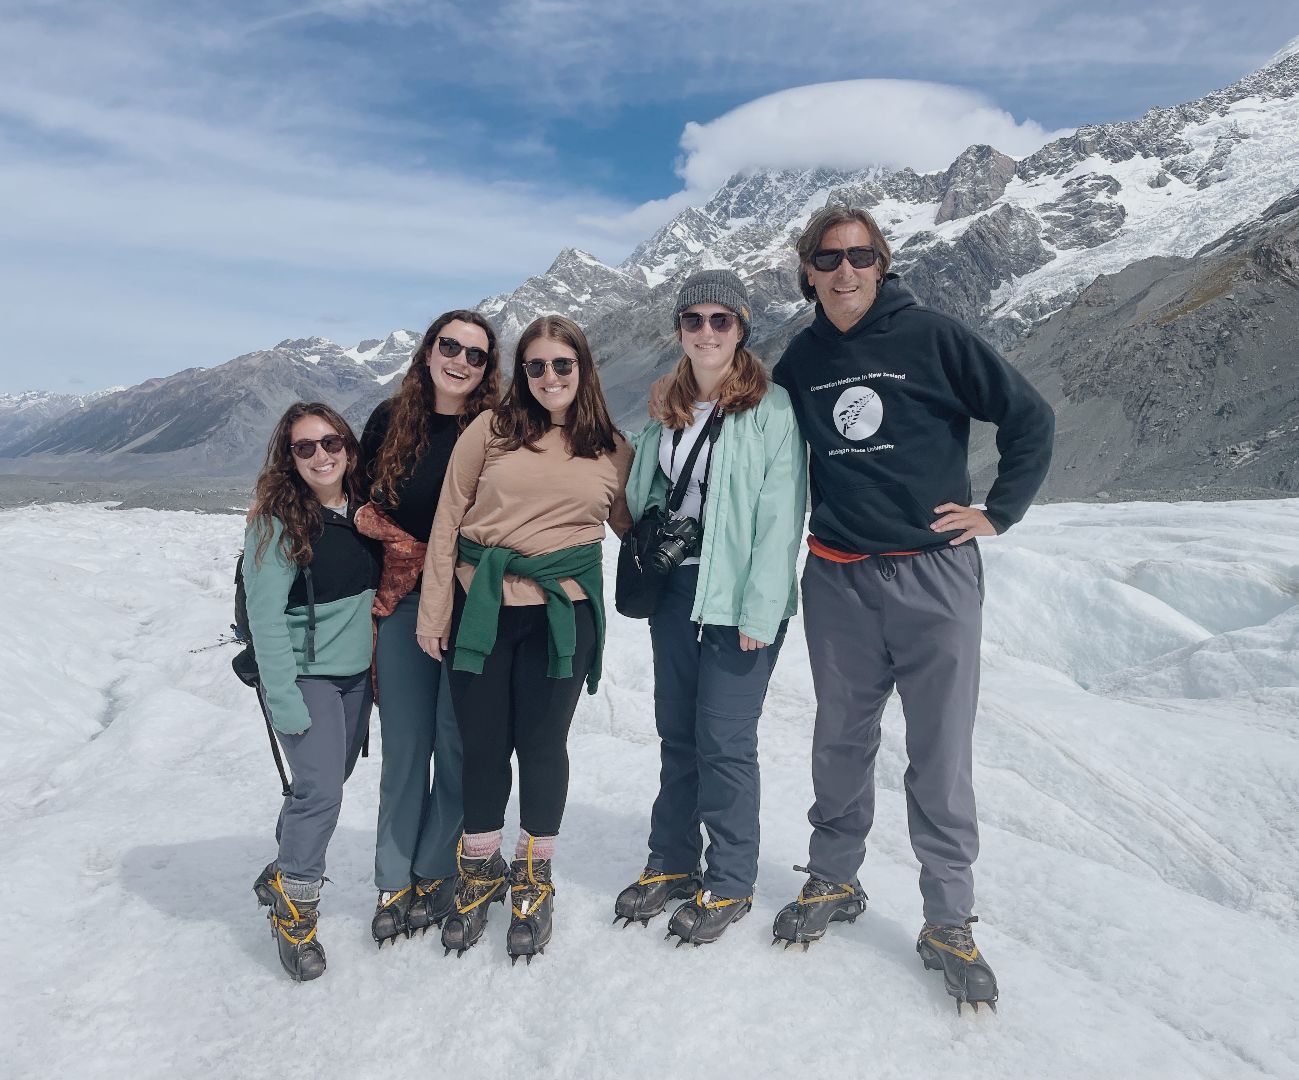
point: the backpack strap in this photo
(311, 614)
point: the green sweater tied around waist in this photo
(476, 636)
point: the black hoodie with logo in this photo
(886, 410)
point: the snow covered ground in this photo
(1138, 774)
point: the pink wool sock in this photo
(478, 845)
(543, 847)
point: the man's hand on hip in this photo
(970, 519)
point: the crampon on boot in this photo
(704, 919)
(433, 900)
(482, 882)
(264, 886)
(532, 907)
(951, 950)
(650, 893)
(819, 903)
(390, 916)
(293, 924)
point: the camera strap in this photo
(712, 429)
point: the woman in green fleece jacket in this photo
(310, 580)
(721, 617)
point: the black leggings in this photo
(514, 707)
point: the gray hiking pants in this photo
(914, 622)
(421, 811)
(320, 759)
(708, 696)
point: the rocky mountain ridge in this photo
(1001, 244)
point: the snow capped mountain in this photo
(214, 421)
(577, 285)
(999, 243)
(21, 413)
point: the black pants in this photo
(514, 707)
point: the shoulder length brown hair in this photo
(415, 398)
(282, 493)
(521, 419)
(742, 389)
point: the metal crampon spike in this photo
(806, 945)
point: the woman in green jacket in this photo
(722, 615)
(310, 579)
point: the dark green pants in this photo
(421, 809)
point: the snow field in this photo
(1137, 761)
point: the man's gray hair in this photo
(822, 222)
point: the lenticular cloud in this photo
(855, 124)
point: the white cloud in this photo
(855, 124)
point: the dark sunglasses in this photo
(474, 356)
(306, 448)
(535, 369)
(721, 321)
(828, 259)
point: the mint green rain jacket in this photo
(753, 517)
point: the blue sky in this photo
(183, 182)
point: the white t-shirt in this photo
(691, 505)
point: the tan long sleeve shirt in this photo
(533, 503)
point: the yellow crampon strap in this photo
(434, 883)
(968, 956)
(280, 924)
(845, 894)
(491, 885)
(720, 902)
(654, 879)
(544, 888)
(394, 897)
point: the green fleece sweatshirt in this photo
(478, 623)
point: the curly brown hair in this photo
(416, 398)
(521, 419)
(282, 494)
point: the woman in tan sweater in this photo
(512, 591)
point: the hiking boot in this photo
(264, 886)
(390, 915)
(650, 893)
(433, 900)
(293, 924)
(704, 919)
(532, 908)
(820, 902)
(951, 950)
(482, 882)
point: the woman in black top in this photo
(453, 376)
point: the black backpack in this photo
(245, 663)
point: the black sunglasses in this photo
(721, 321)
(306, 448)
(535, 369)
(474, 356)
(828, 259)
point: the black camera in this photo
(678, 539)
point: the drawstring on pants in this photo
(887, 569)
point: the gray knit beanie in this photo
(714, 287)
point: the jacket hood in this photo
(892, 297)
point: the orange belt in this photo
(824, 551)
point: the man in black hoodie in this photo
(885, 389)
